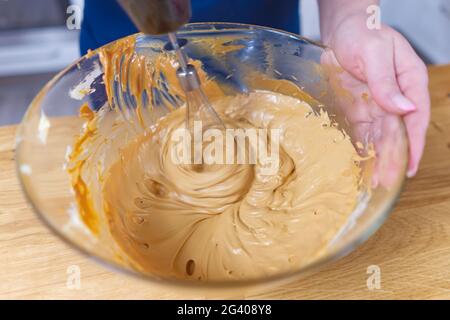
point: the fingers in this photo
(413, 80)
(398, 82)
(416, 135)
(381, 77)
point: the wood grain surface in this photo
(412, 249)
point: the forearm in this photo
(333, 12)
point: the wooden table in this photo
(412, 249)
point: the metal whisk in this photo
(166, 16)
(198, 107)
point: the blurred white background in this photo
(35, 42)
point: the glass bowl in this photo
(52, 123)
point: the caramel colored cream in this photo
(222, 222)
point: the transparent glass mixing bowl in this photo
(52, 123)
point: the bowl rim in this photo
(271, 280)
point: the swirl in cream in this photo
(231, 221)
(222, 222)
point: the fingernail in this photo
(402, 103)
(411, 173)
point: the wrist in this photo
(334, 12)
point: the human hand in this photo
(397, 78)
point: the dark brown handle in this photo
(158, 16)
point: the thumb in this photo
(382, 81)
